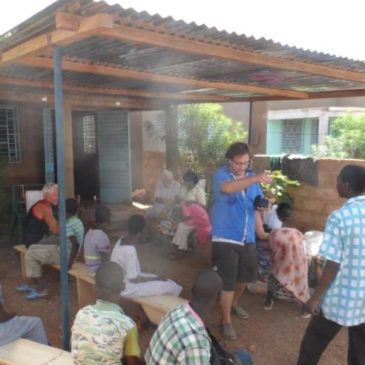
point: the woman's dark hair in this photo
(136, 223)
(283, 211)
(237, 148)
(102, 214)
(354, 176)
(191, 176)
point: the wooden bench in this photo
(25, 352)
(155, 306)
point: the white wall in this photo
(153, 131)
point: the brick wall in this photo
(313, 204)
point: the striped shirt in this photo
(344, 243)
(180, 338)
(74, 227)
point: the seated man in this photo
(40, 225)
(167, 189)
(40, 254)
(13, 327)
(182, 336)
(102, 333)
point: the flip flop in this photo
(24, 287)
(35, 295)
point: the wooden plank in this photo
(115, 92)
(156, 306)
(43, 62)
(67, 21)
(85, 292)
(62, 36)
(90, 102)
(144, 36)
(25, 352)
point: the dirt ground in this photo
(273, 338)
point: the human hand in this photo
(264, 178)
(312, 306)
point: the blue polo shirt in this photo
(233, 215)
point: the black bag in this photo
(220, 356)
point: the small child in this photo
(97, 243)
(74, 230)
(102, 333)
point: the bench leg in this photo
(85, 292)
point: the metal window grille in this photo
(9, 133)
(89, 133)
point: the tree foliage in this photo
(205, 134)
(347, 139)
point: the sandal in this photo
(228, 333)
(34, 294)
(240, 312)
(24, 287)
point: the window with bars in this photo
(9, 133)
(89, 133)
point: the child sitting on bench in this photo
(138, 284)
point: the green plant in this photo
(205, 134)
(279, 187)
(347, 139)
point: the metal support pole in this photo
(250, 125)
(58, 93)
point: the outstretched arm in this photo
(242, 183)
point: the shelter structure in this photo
(116, 60)
(104, 62)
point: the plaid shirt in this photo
(180, 338)
(344, 243)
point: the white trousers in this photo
(181, 236)
(153, 287)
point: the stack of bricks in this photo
(313, 204)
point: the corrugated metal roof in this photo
(100, 50)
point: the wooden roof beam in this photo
(116, 92)
(71, 28)
(232, 53)
(96, 102)
(43, 62)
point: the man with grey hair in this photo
(39, 223)
(167, 189)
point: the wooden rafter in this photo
(81, 100)
(115, 92)
(145, 36)
(43, 62)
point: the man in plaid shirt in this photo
(181, 337)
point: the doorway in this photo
(86, 160)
